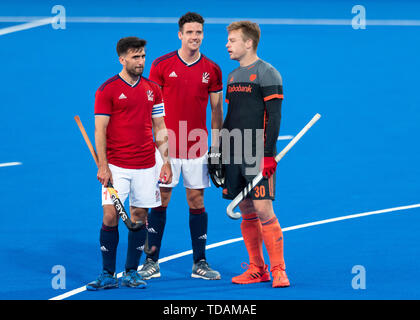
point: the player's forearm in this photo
(163, 149)
(101, 125)
(100, 141)
(273, 126)
(216, 101)
(161, 139)
(216, 126)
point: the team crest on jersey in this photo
(206, 77)
(150, 95)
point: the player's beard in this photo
(135, 72)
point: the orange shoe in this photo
(254, 274)
(280, 279)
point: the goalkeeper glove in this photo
(268, 166)
(215, 167)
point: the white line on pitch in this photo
(25, 26)
(284, 137)
(222, 243)
(223, 20)
(10, 164)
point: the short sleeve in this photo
(216, 82)
(271, 84)
(103, 102)
(158, 109)
(155, 74)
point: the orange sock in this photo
(252, 234)
(273, 240)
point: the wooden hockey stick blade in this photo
(87, 140)
(234, 203)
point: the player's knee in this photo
(110, 216)
(264, 209)
(246, 206)
(196, 203)
(165, 201)
(165, 196)
(195, 198)
(138, 214)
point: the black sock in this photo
(156, 226)
(108, 239)
(198, 230)
(136, 241)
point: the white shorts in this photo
(194, 172)
(141, 185)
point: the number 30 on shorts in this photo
(259, 191)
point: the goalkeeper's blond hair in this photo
(250, 30)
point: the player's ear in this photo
(122, 59)
(180, 35)
(248, 44)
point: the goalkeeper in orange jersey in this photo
(254, 96)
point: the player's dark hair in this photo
(190, 17)
(128, 43)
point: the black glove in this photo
(215, 167)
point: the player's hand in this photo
(215, 166)
(268, 166)
(104, 175)
(165, 176)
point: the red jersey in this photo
(186, 91)
(129, 136)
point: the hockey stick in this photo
(234, 203)
(119, 207)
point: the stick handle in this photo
(297, 137)
(87, 140)
(235, 202)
